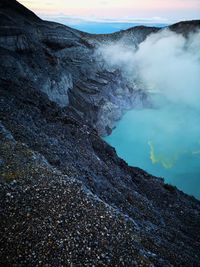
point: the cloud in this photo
(64, 18)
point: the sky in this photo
(162, 11)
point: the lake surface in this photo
(164, 141)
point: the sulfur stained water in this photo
(164, 141)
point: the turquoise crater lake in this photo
(164, 141)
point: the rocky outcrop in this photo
(66, 197)
(62, 62)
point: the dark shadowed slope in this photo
(66, 198)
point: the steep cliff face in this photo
(62, 63)
(66, 198)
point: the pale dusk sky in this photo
(155, 10)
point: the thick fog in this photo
(166, 140)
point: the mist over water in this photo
(163, 140)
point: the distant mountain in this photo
(101, 27)
(66, 197)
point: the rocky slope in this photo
(66, 198)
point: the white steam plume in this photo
(165, 62)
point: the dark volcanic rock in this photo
(62, 63)
(66, 198)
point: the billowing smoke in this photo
(165, 62)
(165, 140)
